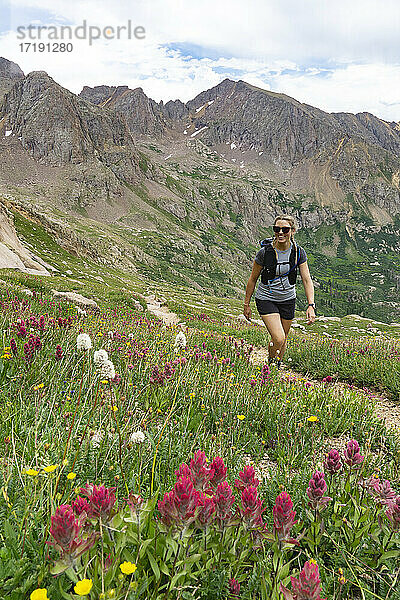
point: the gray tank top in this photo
(278, 290)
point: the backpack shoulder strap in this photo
(268, 249)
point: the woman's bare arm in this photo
(309, 290)
(251, 284)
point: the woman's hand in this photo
(247, 312)
(310, 314)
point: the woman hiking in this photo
(278, 261)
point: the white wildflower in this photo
(137, 437)
(180, 340)
(107, 369)
(100, 357)
(111, 335)
(97, 438)
(83, 342)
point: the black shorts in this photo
(284, 309)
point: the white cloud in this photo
(277, 44)
(373, 88)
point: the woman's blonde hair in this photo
(291, 222)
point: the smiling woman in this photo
(277, 262)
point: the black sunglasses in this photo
(284, 229)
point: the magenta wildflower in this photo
(157, 378)
(393, 514)
(234, 587)
(117, 379)
(21, 332)
(28, 353)
(315, 491)
(80, 505)
(178, 506)
(205, 511)
(186, 498)
(284, 516)
(224, 499)
(352, 455)
(265, 374)
(59, 352)
(13, 345)
(168, 509)
(307, 586)
(220, 471)
(168, 371)
(184, 471)
(65, 529)
(332, 462)
(101, 500)
(382, 491)
(251, 509)
(201, 474)
(247, 478)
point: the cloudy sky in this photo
(338, 56)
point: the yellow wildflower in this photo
(241, 417)
(32, 472)
(127, 568)
(83, 587)
(71, 475)
(39, 594)
(50, 468)
(312, 419)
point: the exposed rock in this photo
(59, 128)
(13, 255)
(10, 73)
(77, 299)
(142, 114)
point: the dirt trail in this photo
(386, 410)
(162, 312)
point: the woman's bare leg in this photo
(275, 329)
(286, 326)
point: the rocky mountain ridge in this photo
(185, 190)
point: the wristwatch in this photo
(312, 304)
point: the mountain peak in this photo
(10, 69)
